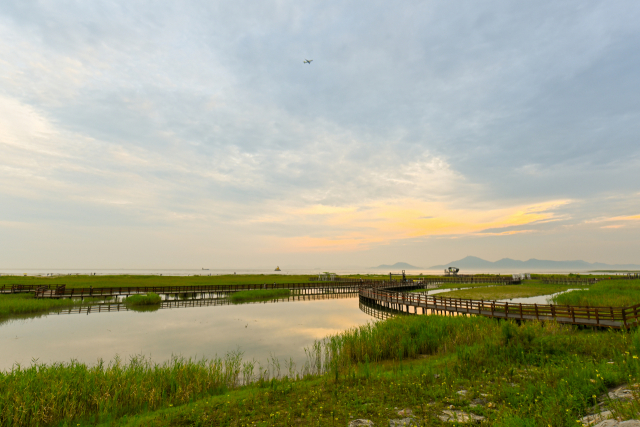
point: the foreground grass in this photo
(530, 375)
(259, 295)
(605, 293)
(529, 288)
(17, 304)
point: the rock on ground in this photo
(622, 392)
(459, 416)
(361, 423)
(595, 418)
(404, 422)
(616, 423)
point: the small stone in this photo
(460, 417)
(477, 402)
(621, 393)
(404, 422)
(462, 392)
(361, 422)
(608, 423)
(629, 423)
(596, 418)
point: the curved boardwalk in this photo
(606, 317)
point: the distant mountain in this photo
(398, 266)
(472, 262)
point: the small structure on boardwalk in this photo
(451, 271)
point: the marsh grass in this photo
(150, 298)
(529, 288)
(605, 293)
(26, 303)
(125, 280)
(259, 295)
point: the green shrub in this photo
(149, 299)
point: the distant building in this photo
(327, 277)
(451, 271)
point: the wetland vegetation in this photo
(26, 303)
(529, 288)
(150, 298)
(529, 375)
(533, 374)
(604, 293)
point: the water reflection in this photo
(191, 328)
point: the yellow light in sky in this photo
(353, 227)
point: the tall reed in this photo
(41, 394)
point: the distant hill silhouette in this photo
(473, 262)
(398, 266)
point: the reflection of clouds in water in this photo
(256, 329)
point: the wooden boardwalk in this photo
(606, 317)
(342, 286)
(199, 302)
(297, 288)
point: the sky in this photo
(162, 134)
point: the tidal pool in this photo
(259, 330)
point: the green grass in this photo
(259, 295)
(533, 375)
(458, 286)
(149, 299)
(529, 288)
(605, 293)
(141, 280)
(26, 303)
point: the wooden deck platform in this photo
(604, 317)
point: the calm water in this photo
(281, 329)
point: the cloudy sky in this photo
(149, 134)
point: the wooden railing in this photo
(611, 317)
(96, 292)
(18, 288)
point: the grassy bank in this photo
(529, 288)
(530, 375)
(605, 293)
(16, 304)
(259, 295)
(458, 286)
(124, 280)
(149, 299)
